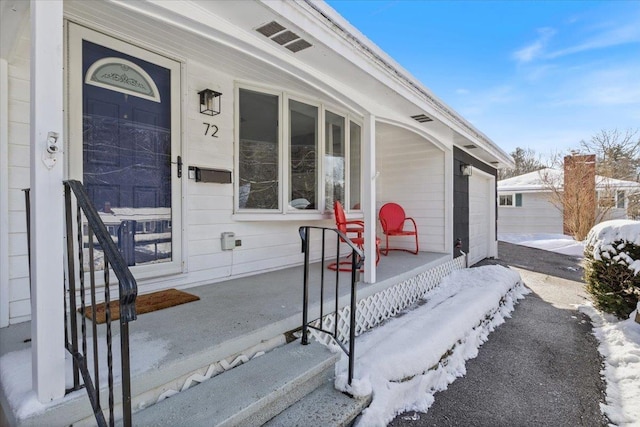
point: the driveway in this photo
(540, 368)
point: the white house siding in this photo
(401, 154)
(208, 207)
(18, 179)
(536, 215)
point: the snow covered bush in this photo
(612, 264)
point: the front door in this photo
(124, 138)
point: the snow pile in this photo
(620, 349)
(602, 237)
(558, 243)
(402, 362)
(15, 371)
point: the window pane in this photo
(303, 169)
(518, 199)
(334, 159)
(355, 135)
(259, 154)
(506, 200)
(620, 199)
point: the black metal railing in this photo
(357, 260)
(87, 235)
(90, 233)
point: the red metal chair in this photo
(353, 229)
(393, 219)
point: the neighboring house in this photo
(188, 120)
(526, 203)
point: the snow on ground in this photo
(452, 321)
(559, 243)
(620, 349)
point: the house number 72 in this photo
(210, 130)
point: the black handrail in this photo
(128, 291)
(357, 260)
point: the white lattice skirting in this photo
(375, 309)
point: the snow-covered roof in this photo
(539, 181)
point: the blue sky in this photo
(535, 74)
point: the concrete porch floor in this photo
(230, 318)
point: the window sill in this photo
(290, 216)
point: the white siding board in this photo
(20, 309)
(19, 134)
(19, 155)
(19, 90)
(18, 267)
(17, 244)
(221, 262)
(19, 289)
(18, 222)
(217, 202)
(18, 111)
(536, 215)
(19, 179)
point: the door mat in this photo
(144, 304)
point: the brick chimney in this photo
(579, 211)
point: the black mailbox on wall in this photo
(219, 176)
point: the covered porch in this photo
(234, 321)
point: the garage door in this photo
(480, 224)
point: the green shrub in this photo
(612, 264)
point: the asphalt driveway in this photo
(540, 368)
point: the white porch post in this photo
(4, 194)
(47, 219)
(369, 197)
(448, 201)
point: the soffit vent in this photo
(298, 45)
(422, 118)
(270, 29)
(283, 36)
(470, 146)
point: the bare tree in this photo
(586, 191)
(617, 153)
(526, 161)
(572, 190)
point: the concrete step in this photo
(324, 406)
(248, 395)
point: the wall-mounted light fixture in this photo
(209, 102)
(466, 170)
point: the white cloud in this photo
(535, 49)
(610, 37)
(462, 91)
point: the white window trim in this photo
(283, 212)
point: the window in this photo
(334, 165)
(355, 159)
(620, 199)
(510, 200)
(506, 200)
(311, 161)
(303, 157)
(258, 157)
